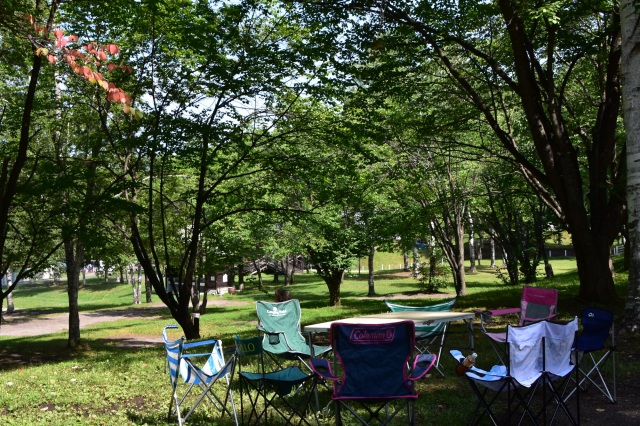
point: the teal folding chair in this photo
(188, 378)
(279, 324)
(283, 392)
(428, 335)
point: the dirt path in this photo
(30, 323)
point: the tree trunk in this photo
(630, 23)
(9, 280)
(458, 273)
(472, 249)
(492, 245)
(416, 262)
(147, 285)
(334, 281)
(405, 261)
(371, 280)
(74, 254)
(256, 265)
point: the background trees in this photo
(274, 129)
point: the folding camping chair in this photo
(427, 335)
(557, 367)
(287, 391)
(374, 370)
(597, 342)
(538, 359)
(536, 304)
(280, 325)
(182, 367)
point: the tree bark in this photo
(630, 24)
(472, 249)
(371, 279)
(74, 254)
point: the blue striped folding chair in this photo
(193, 383)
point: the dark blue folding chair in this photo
(374, 370)
(596, 347)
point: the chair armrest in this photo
(322, 367)
(498, 312)
(421, 365)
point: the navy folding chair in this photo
(375, 370)
(597, 352)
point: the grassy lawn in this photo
(103, 383)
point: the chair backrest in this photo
(374, 359)
(538, 303)
(597, 326)
(525, 346)
(215, 363)
(173, 351)
(558, 344)
(249, 348)
(283, 319)
(437, 307)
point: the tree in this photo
(554, 113)
(210, 132)
(630, 24)
(25, 237)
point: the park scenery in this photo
(118, 374)
(173, 162)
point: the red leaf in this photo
(113, 48)
(51, 58)
(73, 38)
(58, 33)
(111, 67)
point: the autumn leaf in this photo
(113, 49)
(58, 33)
(52, 59)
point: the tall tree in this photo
(25, 235)
(630, 23)
(218, 78)
(552, 110)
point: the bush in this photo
(433, 279)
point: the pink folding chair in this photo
(536, 304)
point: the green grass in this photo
(102, 383)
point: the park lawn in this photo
(102, 383)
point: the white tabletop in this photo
(419, 317)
